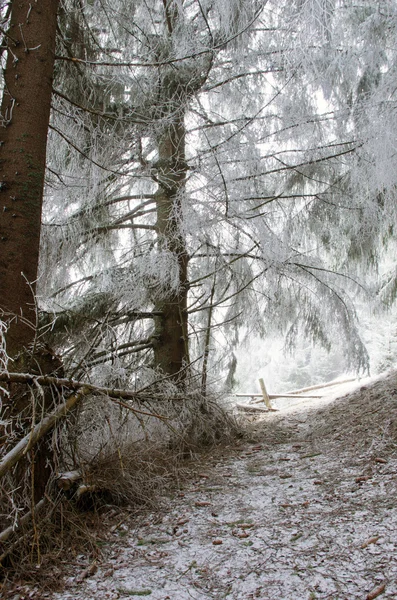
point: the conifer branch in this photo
(72, 384)
(170, 61)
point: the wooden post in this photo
(265, 394)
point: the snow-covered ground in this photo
(303, 509)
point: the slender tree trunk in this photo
(171, 352)
(25, 112)
(207, 341)
(176, 85)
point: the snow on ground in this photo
(303, 509)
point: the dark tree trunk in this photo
(171, 352)
(25, 112)
(24, 119)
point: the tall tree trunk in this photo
(24, 119)
(25, 113)
(171, 352)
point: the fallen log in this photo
(39, 431)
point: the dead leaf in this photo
(376, 592)
(381, 460)
(371, 540)
(362, 478)
(242, 535)
(88, 572)
(202, 503)
(217, 542)
(318, 482)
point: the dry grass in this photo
(59, 537)
(364, 421)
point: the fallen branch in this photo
(323, 385)
(15, 528)
(39, 431)
(273, 396)
(254, 409)
(20, 531)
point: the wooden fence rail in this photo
(300, 393)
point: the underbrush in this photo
(111, 458)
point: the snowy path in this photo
(289, 516)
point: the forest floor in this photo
(303, 508)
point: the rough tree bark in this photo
(24, 119)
